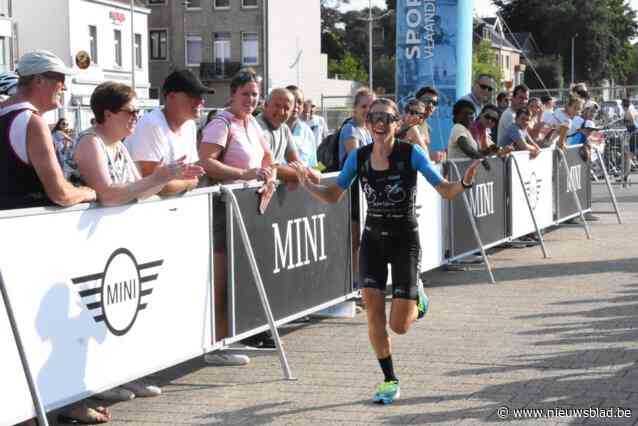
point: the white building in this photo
(100, 27)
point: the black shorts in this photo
(400, 249)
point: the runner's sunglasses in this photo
(384, 117)
(416, 113)
(429, 101)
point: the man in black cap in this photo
(170, 133)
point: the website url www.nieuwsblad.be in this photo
(559, 412)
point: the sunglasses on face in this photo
(416, 113)
(486, 87)
(429, 101)
(54, 76)
(384, 117)
(133, 113)
(491, 118)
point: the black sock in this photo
(388, 369)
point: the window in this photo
(155, 2)
(138, 50)
(221, 4)
(5, 8)
(221, 52)
(249, 4)
(193, 50)
(93, 43)
(193, 4)
(249, 49)
(4, 55)
(507, 63)
(158, 45)
(117, 43)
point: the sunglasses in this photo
(131, 112)
(491, 118)
(55, 76)
(417, 113)
(486, 87)
(246, 77)
(429, 101)
(384, 117)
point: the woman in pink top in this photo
(233, 149)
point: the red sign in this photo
(117, 17)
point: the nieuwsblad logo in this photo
(118, 294)
(533, 187)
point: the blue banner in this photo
(434, 48)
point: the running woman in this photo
(387, 170)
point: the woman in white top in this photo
(104, 162)
(560, 122)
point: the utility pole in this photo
(573, 44)
(370, 19)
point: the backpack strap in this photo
(363, 160)
(403, 152)
(228, 138)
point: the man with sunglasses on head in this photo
(30, 174)
(167, 134)
(482, 91)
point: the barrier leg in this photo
(259, 283)
(33, 389)
(529, 206)
(570, 183)
(609, 188)
(477, 236)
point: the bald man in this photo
(272, 120)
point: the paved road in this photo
(552, 333)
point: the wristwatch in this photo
(465, 185)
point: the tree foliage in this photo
(603, 29)
(484, 62)
(550, 71)
(348, 68)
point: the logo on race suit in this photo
(482, 199)
(533, 188)
(304, 242)
(117, 295)
(575, 173)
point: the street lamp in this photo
(370, 19)
(573, 43)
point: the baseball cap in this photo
(41, 61)
(185, 81)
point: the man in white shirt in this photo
(316, 122)
(520, 98)
(481, 93)
(166, 135)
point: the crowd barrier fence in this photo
(102, 296)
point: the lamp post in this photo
(370, 19)
(573, 44)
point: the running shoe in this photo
(422, 301)
(387, 392)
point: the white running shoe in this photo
(225, 359)
(142, 388)
(115, 395)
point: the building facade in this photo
(8, 41)
(100, 27)
(280, 39)
(507, 56)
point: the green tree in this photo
(384, 71)
(550, 71)
(348, 68)
(484, 62)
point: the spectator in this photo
(482, 91)
(559, 124)
(502, 102)
(168, 134)
(209, 116)
(430, 97)
(461, 141)
(481, 128)
(536, 123)
(30, 174)
(549, 103)
(520, 97)
(517, 136)
(61, 139)
(233, 149)
(303, 136)
(316, 122)
(354, 133)
(411, 128)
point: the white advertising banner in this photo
(537, 182)
(429, 212)
(107, 295)
(16, 403)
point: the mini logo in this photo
(533, 188)
(116, 295)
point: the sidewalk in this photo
(559, 332)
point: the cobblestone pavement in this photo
(558, 333)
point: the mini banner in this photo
(579, 170)
(16, 399)
(434, 48)
(537, 182)
(302, 248)
(104, 296)
(487, 200)
(429, 206)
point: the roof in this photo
(496, 37)
(526, 42)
